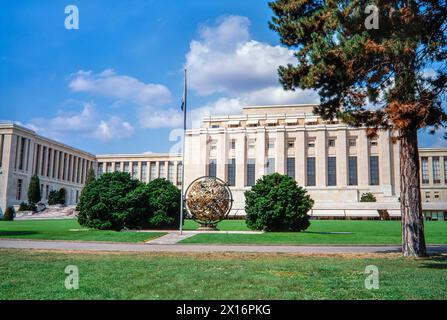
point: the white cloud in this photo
(121, 87)
(87, 123)
(226, 60)
(114, 128)
(153, 118)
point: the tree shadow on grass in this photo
(330, 232)
(16, 233)
(435, 261)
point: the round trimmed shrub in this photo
(114, 201)
(164, 204)
(277, 203)
(368, 197)
(9, 214)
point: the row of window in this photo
(50, 162)
(251, 143)
(133, 167)
(310, 170)
(436, 170)
(44, 189)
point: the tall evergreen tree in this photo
(34, 194)
(90, 176)
(391, 55)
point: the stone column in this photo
(342, 158)
(385, 162)
(280, 151)
(300, 158)
(321, 158)
(363, 159)
(241, 150)
(260, 153)
(222, 152)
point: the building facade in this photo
(336, 163)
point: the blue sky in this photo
(115, 85)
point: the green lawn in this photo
(67, 229)
(29, 274)
(325, 232)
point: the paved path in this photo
(102, 246)
(173, 237)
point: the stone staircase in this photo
(51, 212)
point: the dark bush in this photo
(164, 204)
(27, 207)
(113, 201)
(368, 197)
(9, 214)
(56, 197)
(277, 203)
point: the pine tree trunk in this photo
(413, 240)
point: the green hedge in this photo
(116, 201)
(277, 203)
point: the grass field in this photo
(66, 229)
(324, 232)
(320, 232)
(40, 275)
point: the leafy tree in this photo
(277, 203)
(112, 202)
(399, 67)
(9, 214)
(34, 195)
(164, 203)
(368, 197)
(90, 178)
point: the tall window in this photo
(445, 170)
(2, 142)
(424, 170)
(179, 173)
(50, 152)
(231, 171)
(36, 168)
(19, 189)
(42, 165)
(143, 171)
(55, 157)
(374, 170)
(310, 171)
(212, 168)
(171, 171)
(109, 167)
(251, 172)
(331, 171)
(291, 167)
(352, 178)
(436, 170)
(161, 170)
(270, 165)
(22, 153)
(100, 169)
(135, 172)
(117, 166)
(233, 144)
(152, 171)
(126, 167)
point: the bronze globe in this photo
(208, 200)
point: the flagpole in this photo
(183, 157)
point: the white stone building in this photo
(334, 162)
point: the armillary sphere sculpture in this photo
(208, 200)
